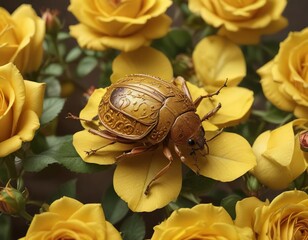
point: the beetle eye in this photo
(191, 142)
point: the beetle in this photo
(146, 110)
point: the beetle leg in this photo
(93, 151)
(179, 153)
(199, 99)
(107, 135)
(179, 81)
(168, 155)
(211, 113)
(136, 151)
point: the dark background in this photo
(90, 187)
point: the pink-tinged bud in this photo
(52, 22)
(303, 140)
(12, 201)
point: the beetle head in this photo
(187, 131)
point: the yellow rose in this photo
(21, 39)
(204, 221)
(279, 156)
(284, 79)
(123, 25)
(68, 218)
(133, 174)
(284, 218)
(242, 21)
(21, 104)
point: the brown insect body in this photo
(144, 109)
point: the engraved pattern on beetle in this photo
(136, 104)
(118, 122)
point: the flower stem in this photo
(26, 216)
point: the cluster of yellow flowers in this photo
(275, 158)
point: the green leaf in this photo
(63, 36)
(229, 203)
(183, 201)
(69, 158)
(53, 88)
(54, 69)
(133, 228)
(175, 42)
(5, 227)
(114, 207)
(73, 54)
(51, 109)
(86, 65)
(59, 150)
(273, 115)
(66, 189)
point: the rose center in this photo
(115, 3)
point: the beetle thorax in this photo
(187, 131)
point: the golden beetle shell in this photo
(142, 108)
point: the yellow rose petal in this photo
(90, 111)
(6, 113)
(31, 31)
(10, 145)
(86, 37)
(25, 11)
(226, 151)
(144, 60)
(84, 142)
(65, 207)
(236, 103)
(89, 213)
(217, 59)
(282, 150)
(269, 172)
(276, 158)
(132, 176)
(111, 232)
(245, 209)
(27, 125)
(41, 223)
(203, 221)
(12, 74)
(252, 36)
(152, 31)
(35, 96)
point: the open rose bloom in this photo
(122, 25)
(132, 175)
(21, 38)
(243, 22)
(21, 104)
(68, 218)
(284, 79)
(203, 221)
(285, 217)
